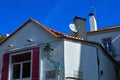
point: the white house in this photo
(109, 37)
(35, 52)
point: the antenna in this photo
(93, 7)
(92, 17)
(73, 28)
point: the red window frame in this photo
(35, 64)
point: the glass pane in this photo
(16, 71)
(107, 44)
(21, 57)
(26, 70)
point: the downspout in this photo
(117, 73)
(98, 63)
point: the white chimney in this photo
(81, 26)
(93, 22)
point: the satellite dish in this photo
(73, 28)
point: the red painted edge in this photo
(35, 64)
(5, 67)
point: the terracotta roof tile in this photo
(60, 35)
(106, 29)
(55, 33)
(109, 28)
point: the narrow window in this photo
(107, 44)
(16, 71)
(26, 70)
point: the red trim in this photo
(35, 64)
(5, 67)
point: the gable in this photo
(30, 30)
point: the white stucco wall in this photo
(106, 66)
(72, 55)
(30, 31)
(19, 40)
(89, 62)
(84, 57)
(72, 58)
(115, 36)
(57, 56)
(80, 57)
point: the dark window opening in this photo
(21, 66)
(26, 70)
(21, 57)
(16, 71)
(107, 44)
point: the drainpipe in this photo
(98, 63)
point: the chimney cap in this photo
(79, 18)
(91, 14)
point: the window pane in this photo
(107, 44)
(16, 71)
(26, 70)
(21, 57)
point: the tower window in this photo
(107, 44)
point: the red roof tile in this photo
(53, 32)
(60, 35)
(106, 29)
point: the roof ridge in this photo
(105, 29)
(110, 27)
(54, 32)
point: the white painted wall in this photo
(79, 57)
(83, 57)
(30, 31)
(106, 66)
(72, 58)
(72, 55)
(115, 36)
(57, 56)
(89, 62)
(19, 40)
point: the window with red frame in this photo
(21, 66)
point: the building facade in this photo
(35, 52)
(109, 38)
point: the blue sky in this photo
(56, 14)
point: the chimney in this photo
(93, 22)
(81, 26)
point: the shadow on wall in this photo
(88, 63)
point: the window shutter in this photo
(5, 67)
(35, 64)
